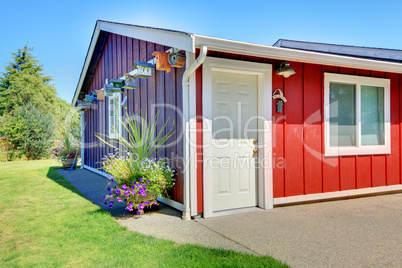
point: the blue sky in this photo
(60, 31)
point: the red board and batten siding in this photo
(300, 166)
(117, 58)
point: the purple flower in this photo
(131, 204)
(141, 206)
(140, 179)
(112, 180)
(108, 189)
(124, 187)
(133, 192)
(138, 213)
(155, 203)
(146, 203)
(104, 197)
(110, 195)
(129, 208)
(132, 187)
(119, 199)
(148, 181)
(110, 206)
(118, 191)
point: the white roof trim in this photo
(381, 53)
(177, 40)
(188, 42)
(174, 39)
(295, 55)
(94, 40)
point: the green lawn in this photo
(44, 221)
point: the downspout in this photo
(186, 88)
(83, 139)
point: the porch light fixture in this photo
(285, 69)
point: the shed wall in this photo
(299, 165)
(162, 90)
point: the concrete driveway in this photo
(362, 232)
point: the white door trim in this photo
(264, 74)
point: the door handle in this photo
(255, 141)
(255, 151)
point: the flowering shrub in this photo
(138, 182)
(69, 149)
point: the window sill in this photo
(350, 151)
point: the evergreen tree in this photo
(23, 82)
(31, 131)
(24, 88)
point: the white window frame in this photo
(112, 134)
(359, 149)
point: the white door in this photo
(234, 134)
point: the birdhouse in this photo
(162, 61)
(89, 98)
(177, 60)
(144, 69)
(82, 105)
(100, 95)
(129, 82)
(117, 83)
(111, 88)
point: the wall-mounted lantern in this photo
(285, 69)
(162, 61)
(177, 60)
(144, 69)
(281, 99)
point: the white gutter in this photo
(82, 139)
(186, 123)
(280, 53)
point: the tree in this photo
(25, 89)
(31, 131)
(24, 81)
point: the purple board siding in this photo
(118, 56)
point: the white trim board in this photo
(171, 203)
(280, 53)
(264, 102)
(174, 39)
(380, 53)
(334, 195)
(97, 171)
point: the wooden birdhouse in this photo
(111, 88)
(129, 82)
(117, 83)
(162, 61)
(144, 69)
(177, 60)
(100, 95)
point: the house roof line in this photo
(189, 42)
(357, 51)
(290, 54)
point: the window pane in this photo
(342, 114)
(372, 116)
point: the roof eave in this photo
(295, 55)
(179, 40)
